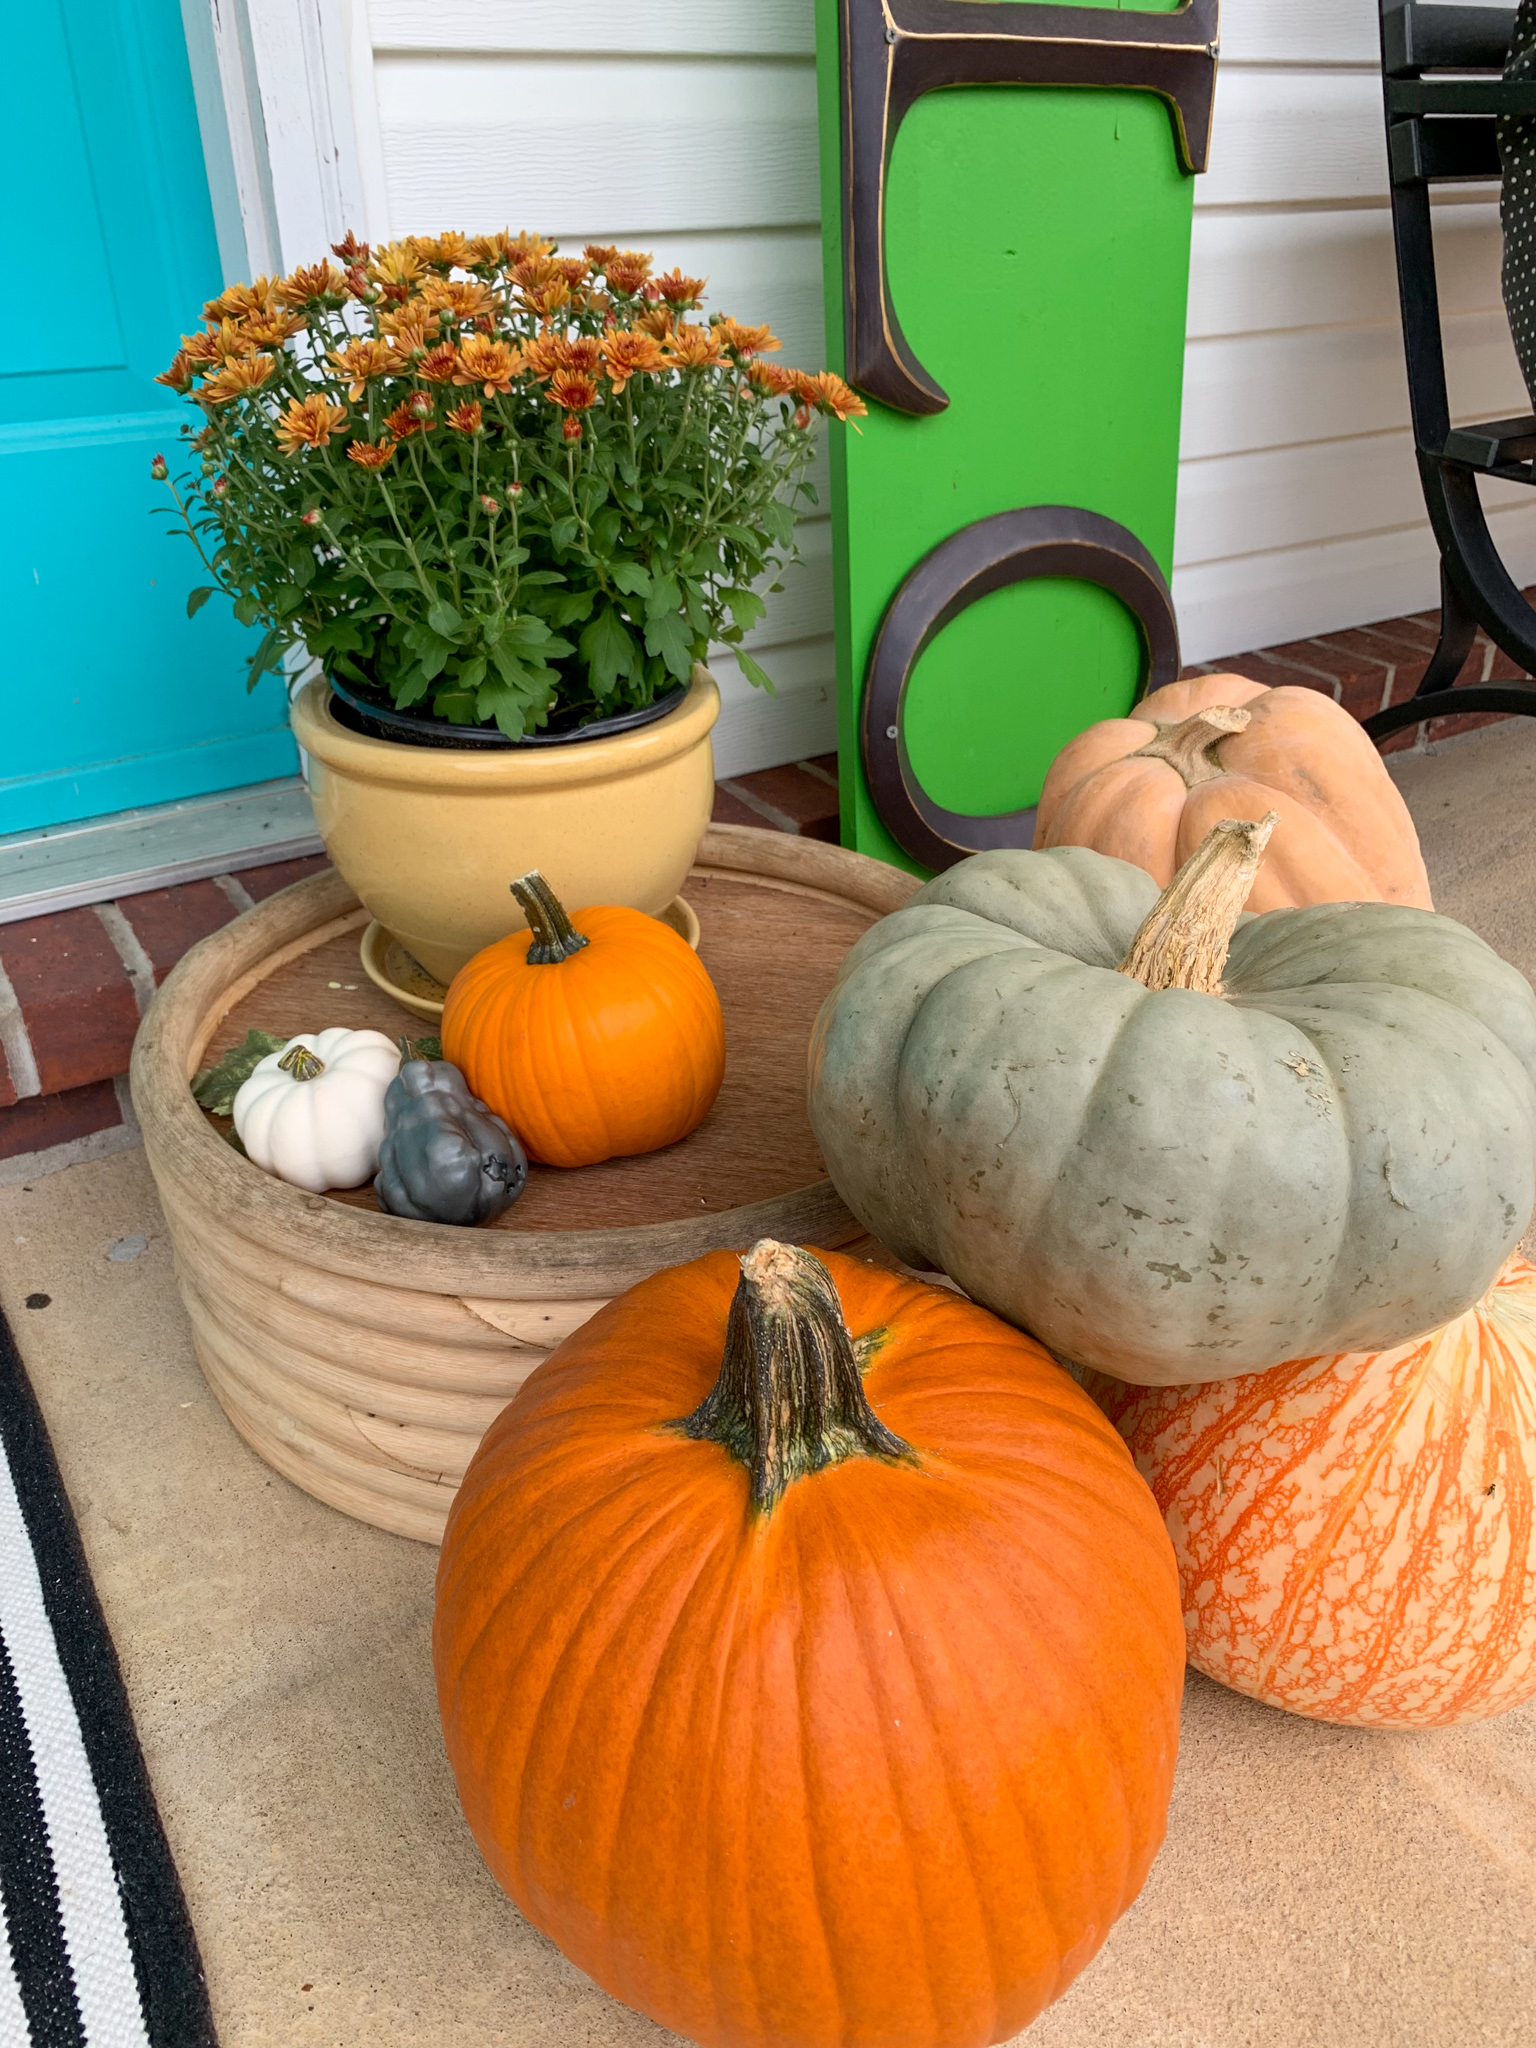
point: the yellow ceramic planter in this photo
(429, 838)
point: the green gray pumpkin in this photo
(1334, 1153)
(445, 1157)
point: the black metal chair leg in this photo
(1458, 630)
(1479, 592)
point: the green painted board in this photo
(1037, 248)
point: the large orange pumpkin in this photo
(1148, 789)
(593, 1036)
(1354, 1533)
(801, 1710)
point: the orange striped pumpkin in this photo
(1354, 1533)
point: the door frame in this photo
(290, 126)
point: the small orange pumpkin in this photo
(1355, 1534)
(825, 1695)
(593, 1037)
(1148, 788)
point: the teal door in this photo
(112, 696)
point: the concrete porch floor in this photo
(1320, 1887)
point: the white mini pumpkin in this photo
(313, 1113)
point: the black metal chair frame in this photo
(1441, 130)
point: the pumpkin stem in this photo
(1190, 746)
(555, 938)
(1184, 937)
(303, 1064)
(789, 1399)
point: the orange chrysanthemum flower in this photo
(490, 364)
(549, 299)
(225, 343)
(465, 301)
(411, 416)
(572, 390)
(443, 251)
(573, 269)
(826, 392)
(745, 341)
(545, 354)
(311, 282)
(309, 423)
(247, 373)
(360, 361)
(179, 373)
(439, 364)
(201, 348)
(350, 249)
(570, 427)
(489, 252)
(241, 301)
(656, 320)
(397, 268)
(521, 247)
(271, 330)
(583, 352)
(534, 272)
(412, 328)
(466, 416)
(693, 348)
(627, 272)
(680, 291)
(772, 380)
(370, 454)
(627, 354)
(601, 254)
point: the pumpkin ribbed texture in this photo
(618, 1049)
(1148, 788)
(1355, 1533)
(877, 1763)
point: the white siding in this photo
(689, 126)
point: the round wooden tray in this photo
(362, 1355)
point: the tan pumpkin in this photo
(1147, 789)
(1355, 1533)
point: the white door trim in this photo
(296, 80)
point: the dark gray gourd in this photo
(445, 1158)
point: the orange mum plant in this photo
(505, 486)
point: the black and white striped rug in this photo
(96, 1947)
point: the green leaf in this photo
(268, 656)
(564, 531)
(472, 674)
(574, 605)
(630, 578)
(670, 638)
(746, 608)
(215, 1088)
(444, 620)
(608, 649)
(508, 706)
(759, 676)
(196, 599)
(457, 706)
(664, 597)
(605, 531)
(427, 1048)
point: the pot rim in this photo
(434, 732)
(396, 764)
